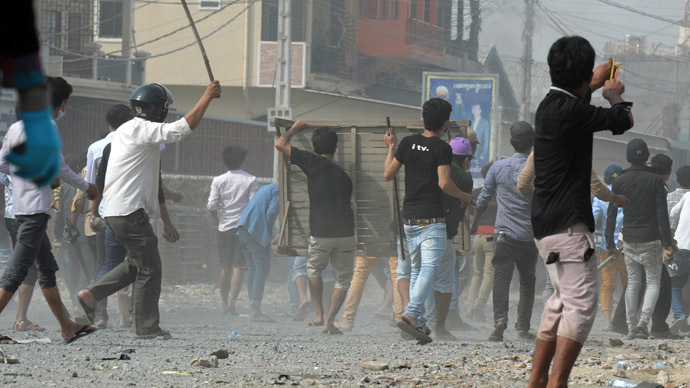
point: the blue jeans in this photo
(426, 245)
(679, 266)
(258, 266)
(5, 249)
(445, 281)
(115, 252)
(296, 270)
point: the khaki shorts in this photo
(571, 310)
(340, 251)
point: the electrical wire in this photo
(213, 32)
(643, 13)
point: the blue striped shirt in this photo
(514, 210)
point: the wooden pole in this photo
(396, 206)
(198, 41)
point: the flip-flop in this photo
(89, 311)
(21, 326)
(422, 338)
(83, 332)
(5, 340)
(315, 324)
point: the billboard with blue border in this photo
(472, 97)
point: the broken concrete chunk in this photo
(374, 365)
(221, 354)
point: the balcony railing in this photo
(424, 36)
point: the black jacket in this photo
(646, 216)
(452, 206)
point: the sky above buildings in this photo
(596, 21)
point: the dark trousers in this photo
(661, 309)
(12, 229)
(115, 254)
(510, 254)
(142, 267)
(32, 250)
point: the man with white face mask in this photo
(32, 210)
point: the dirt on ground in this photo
(290, 353)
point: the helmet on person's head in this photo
(151, 102)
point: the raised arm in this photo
(283, 143)
(195, 115)
(391, 165)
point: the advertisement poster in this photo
(472, 97)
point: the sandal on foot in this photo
(418, 332)
(5, 340)
(26, 326)
(83, 332)
(315, 324)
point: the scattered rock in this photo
(221, 354)
(663, 346)
(365, 380)
(374, 365)
(11, 360)
(74, 374)
(663, 377)
(615, 342)
(211, 362)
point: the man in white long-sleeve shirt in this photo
(131, 194)
(230, 194)
(32, 210)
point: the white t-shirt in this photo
(230, 194)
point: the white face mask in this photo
(60, 114)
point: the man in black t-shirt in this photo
(427, 161)
(561, 208)
(440, 300)
(331, 220)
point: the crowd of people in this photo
(535, 206)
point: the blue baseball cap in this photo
(613, 171)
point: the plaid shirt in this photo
(673, 198)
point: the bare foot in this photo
(73, 329)
(232, 311)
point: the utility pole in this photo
(283, 101)
(525, 108)
(127, 38)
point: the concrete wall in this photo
(232, 51)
